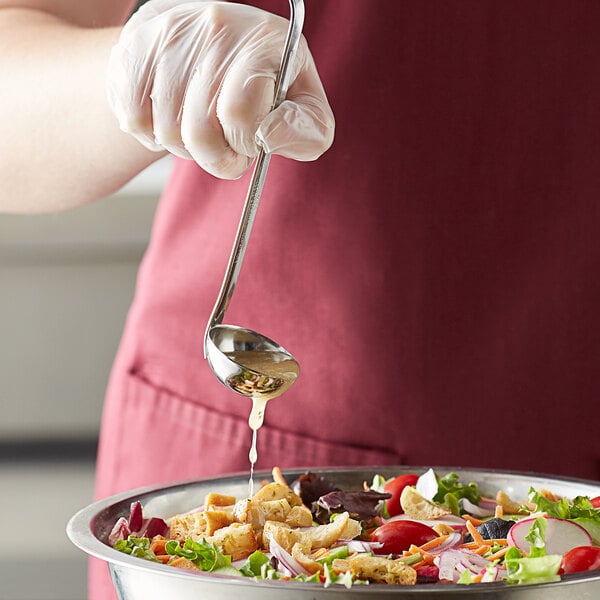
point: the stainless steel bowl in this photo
(137, 579)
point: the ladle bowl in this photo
(249, 363)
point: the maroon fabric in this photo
(435, 273)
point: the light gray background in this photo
(67, 281)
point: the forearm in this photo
(60, 145)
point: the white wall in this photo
(66, 282)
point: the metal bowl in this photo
(137, 579)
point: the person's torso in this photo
(435, 272)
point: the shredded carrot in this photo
(158, 545)
(163, 558)
(426, 558)
(477, 578)
(434, 542)
(498, 554)
(486, 543)
(499, 512)
(470, 545)
(474, 533)
(497, 541)
(473, 520)
(481, 550)
(278, 476)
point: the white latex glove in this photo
(198, 78)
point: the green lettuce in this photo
(579, 508)
(258, 565)
(537, 537)
(450, 490)
(135, 546)
(206, 556)
(539, 569)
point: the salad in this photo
(413, 529)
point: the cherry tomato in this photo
(596, 502)
(581, 558)
(397, 536)
(395, 487)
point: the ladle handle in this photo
(260, 170)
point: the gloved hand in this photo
(198, 78)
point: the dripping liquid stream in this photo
(257, 416)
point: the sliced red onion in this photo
(454, 539)
(446, 564)
(468, 564)
(488, 505)
(452, 563)
(286, 560)
(427, 484)
(120, 531)
(476, 510)
(476, 561)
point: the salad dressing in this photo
(257, 416)
(265, 374)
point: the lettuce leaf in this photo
(537, 537)
(450, 490)
(255, 565)
(203, 554)
(538, 569)
(136, 546)
(582, 508)
(579, 508)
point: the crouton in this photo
(238, 540)
(417, 507)
(377, 569)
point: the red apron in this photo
(435, 273)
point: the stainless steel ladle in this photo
(245, 361)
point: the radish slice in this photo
(561, 535)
